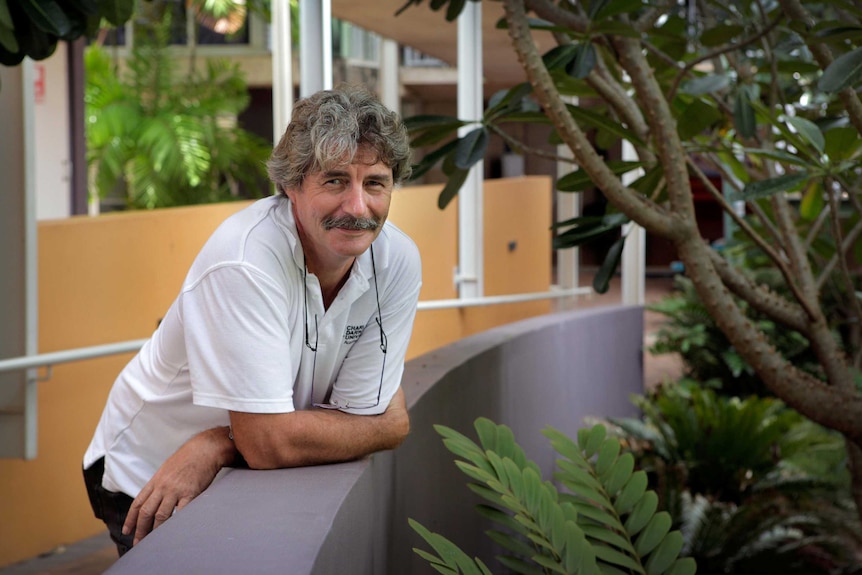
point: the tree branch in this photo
(556, 15)
(759, 296)
(840, 256)
(834, 407)
(631, 204)
(664, 133)
(521, 148)
(689, 66)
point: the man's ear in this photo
(289, 192)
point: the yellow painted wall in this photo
(110, 279)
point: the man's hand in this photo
(181, 478)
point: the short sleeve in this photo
(238, 341)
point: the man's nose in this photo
(355, 202)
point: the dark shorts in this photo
(108, 506)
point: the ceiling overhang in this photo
(428, 31)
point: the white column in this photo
(634, 252)
(18, 260)
(282, 68)
(470, 220)
(388, 83)
(315, 46)
(568, 207)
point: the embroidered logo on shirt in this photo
(352, 333)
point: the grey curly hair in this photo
(330, 125)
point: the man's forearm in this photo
(269, 441)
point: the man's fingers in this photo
(132, 517)
(144, 524)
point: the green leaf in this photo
(607, 9)
(117, 12)
(812, 201)
(426, 121)
(605, 535)
(594, 439)
(615, 557)
(559, 57)
(5, 16)
(620, 473)
(487, 432)
(720, 34)
(697, 117)
(666, 553)
(842, 143)
(584, 61)
(454, 10)
(684, 566)
(608, 454)
(631, 492)
(602, 279)
(471, 148)
(579, 181)
(47, 16)
(648, 183)
(7, 39)
(809, 132)
(781, 156)
(705, 84)
(766, 188)
(743, 112)
(435, 135)
(507, 100)
(602, 122)
(430, 159)
(653, 533)
(510, 543)
(453, 185)
(641, 514)
(843, 72)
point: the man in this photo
(286, 345)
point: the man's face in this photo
(339, 212)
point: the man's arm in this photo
(325, 437)
(276, 440)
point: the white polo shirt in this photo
(235, 339)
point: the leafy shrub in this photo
(708, 355)
(606, 521)
(753, 486)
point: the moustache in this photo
(350, 223)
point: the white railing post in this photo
(634, 252)
(282, 68)
(470, 107)
(315, 50)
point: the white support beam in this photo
(634, 252)
(469, 278)
(568, 207)
(388, 83)
(18, 260)
(282, 68)
(315, 46)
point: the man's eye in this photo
(334, 181)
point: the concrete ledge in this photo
(352, 517)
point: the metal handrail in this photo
(82, 353)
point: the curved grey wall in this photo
(351, 518)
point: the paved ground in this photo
(94, 555)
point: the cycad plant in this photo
(166, 140)
(752, 485)
(604, 519)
